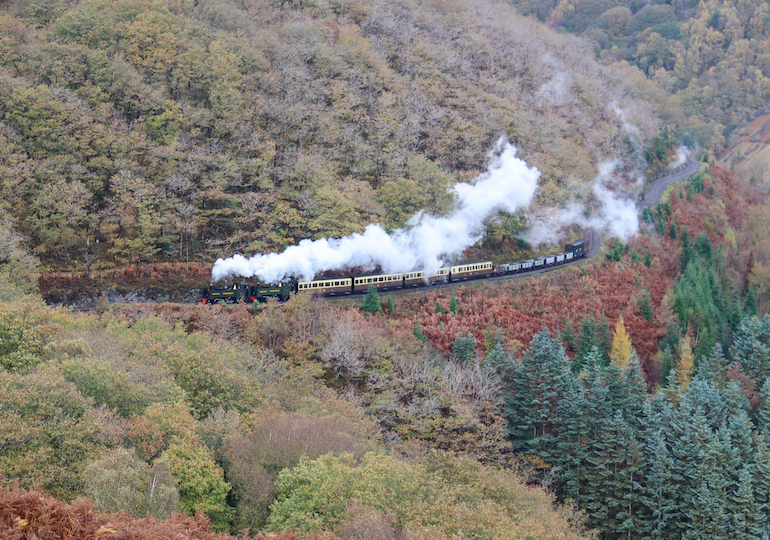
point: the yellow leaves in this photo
(622, 352)
(358, 51)
(104, 531)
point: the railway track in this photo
(652, 196)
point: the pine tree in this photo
(537, 386)
(713, 368)
(707, 508)
(573, 442)
(464, 349)
(497, 359)
(592, 334)
(418, 333)
(763, 411)
(645, 307)
(688, 432)
(439, 307)
(704, 249)
(660, 507)
(391, 309)
(760, 470)
(751, 346)
(579, 418)
(672, 230)
(453, 305)
(750, 303)
(371, 302)
(613, 500)
(746, 519)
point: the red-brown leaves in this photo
(33, 515)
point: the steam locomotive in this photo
(332, 286)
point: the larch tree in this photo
(622, 352)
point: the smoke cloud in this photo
(427, 243)
(681, 158)
(617, 216)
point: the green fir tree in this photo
(371, 302)
(464, 349)
(453, 305)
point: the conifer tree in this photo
(371, 302)
(751, 346)
(573, 443)
(687, 249)
(750, 303)
(763, 411)
(391, 309)
(622, 352)
(498, 359)
(613, 500)
(713, 368)
(592, 334)
(579, 419)
(537, 386)
(645, 307)
(704, 249)
(418, 332)
(453, 305)
(660, 507)
(464, 349)
(439, 307)
(760, 469)
(746, 520)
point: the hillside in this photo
(710, 57)
(138, 131)
(748, 153)
(471, 408)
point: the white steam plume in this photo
(430, 242)
(681, 158)
(617, 216)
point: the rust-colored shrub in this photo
(28, 515)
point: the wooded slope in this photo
(131, 130)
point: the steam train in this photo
(333, 286)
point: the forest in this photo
(624, 397)
(139, 132)
(627, 396)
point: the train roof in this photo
(576, 243)
(469, 262)
(327, 278)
